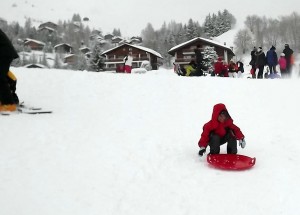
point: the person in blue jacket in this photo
(272, 60)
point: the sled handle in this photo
(253, 161)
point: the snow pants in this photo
(5, 93)
(260, 72)
(216, 141)
(127, 69)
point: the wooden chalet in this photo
(114, 57)
(70, 59)
(184, 52)
(84, 49)
(108, 37)
(63, 48)
(116, 40)
(46, 29)
(50, 25)
(34, 44)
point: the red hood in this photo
(217, 110)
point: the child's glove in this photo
(242, 143)
(202, 151)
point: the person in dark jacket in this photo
(272, 60)
(199, 59)
(7, 55)
(260, 62)
(253, 62)
(219, 130)
(288, 52)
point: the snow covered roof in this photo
(69, 55)
(35, 65)
(84, 48)
(47, 28)
(138, 47)
(214, 43)
(62, 44)
(35, 41)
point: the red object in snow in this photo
(230, 161)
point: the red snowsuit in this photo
(218, 66)
(225, 70)
(218, 128)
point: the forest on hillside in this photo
(77, 33)
(258, 31)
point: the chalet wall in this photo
(116, 56)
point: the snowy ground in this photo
(127, 144)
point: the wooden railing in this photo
(121, 59)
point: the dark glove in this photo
(202, 151)
(242, 143)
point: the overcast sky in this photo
(132, 16)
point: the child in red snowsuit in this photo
(219, 130)
(282, 65)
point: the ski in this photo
(34, 111)
(25, 109)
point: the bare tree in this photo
(271, 35)
(243, 41)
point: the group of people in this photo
(194, 68)
(8, 96)
(259, 60)
(223, 69)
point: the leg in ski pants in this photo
(216, 141)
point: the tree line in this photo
(76, 33)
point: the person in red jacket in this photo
(218, 66)
(219, 130)
(225, 69)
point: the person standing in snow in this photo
(220, 130)
(282, 65)
(199, 59)
(232, 69)
(190, 68)
(240, 68)
(272, 60)
(128, 63)
(7, 55)
(289, 58)
(253, 62)
(218, 66)
(260, 62)
(225, 69)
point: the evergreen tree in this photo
(81, 62)
(96, 61)
(215, 25)
(117, 32)
(209, 57)
(149, 37)
(208, 25)
(57, 63)
(44, 60)
(191, 30)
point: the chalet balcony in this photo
(121, 59)
(183, 60)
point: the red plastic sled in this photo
(230, 161)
